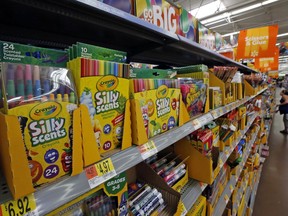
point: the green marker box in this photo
(151, 73)
(95, 52)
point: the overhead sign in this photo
(257, 42)
(268, 63)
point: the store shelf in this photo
(240, 192)
(193, 190)
(223, 200)
(102, 25)
(68, 188)
(254, 192)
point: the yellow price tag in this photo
(18, 207)
(220, 162)
(183, 209)
(231, 188)
(104, 167)
(100, 172)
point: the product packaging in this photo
(105, 93)
(40, 91)
(194, 94)
(155, 104)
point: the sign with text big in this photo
(257, 42)
(160, 13)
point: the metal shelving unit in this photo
(222, 202)
(195, 188)
(67, 188)
(103, 25)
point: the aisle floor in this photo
(272, 194)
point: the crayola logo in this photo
(162, 91)
(107, 83)
(45, 110)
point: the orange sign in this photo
(269, 63)
(257, 42)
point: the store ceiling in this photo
(269, 13)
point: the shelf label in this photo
(148, 149)
(183, 209)
(220, 162)
(226, 198)
(202, 185)
(231, 188)
(196, 124)
(214, 113)
(100, 172)
(227, 152)
(19, 207)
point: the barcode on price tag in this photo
(148, 149)
(22, 206)
(100, 172)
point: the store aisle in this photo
(272, 194)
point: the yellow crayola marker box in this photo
(159, 105)
(106, 97)
(40, 92)
(98, 75)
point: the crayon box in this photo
(105, 93)
(40, 92)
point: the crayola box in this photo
(41, 95)
(158, 102)
(106, 95)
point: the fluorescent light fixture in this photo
(208, 9)
(218, 18)
(229, 34)
(246, 9)
(277, 44)
(268, 2)
(203, 12)
(282, 35)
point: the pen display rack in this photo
(170, 196)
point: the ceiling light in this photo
(221, 17)
(246, 9)
(282, 35)
(277, 44)
(268, 2)
(229, 34)
(208, 9)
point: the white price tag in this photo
(148, 149)
(196, 124)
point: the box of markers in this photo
(103, 89)
(170, 168)
(166, 199)
(155, 107)
(40, 91)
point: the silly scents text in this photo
(106, 100)
(43, 131)
(163, 106)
